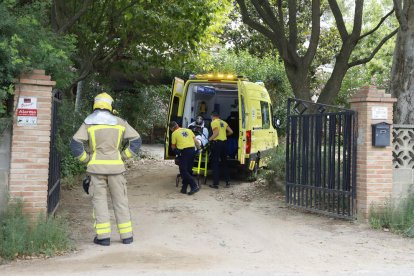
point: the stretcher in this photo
(200, 167)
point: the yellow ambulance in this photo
(244, 105)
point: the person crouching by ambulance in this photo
(218, 149)
(183, 142)
(105, 134)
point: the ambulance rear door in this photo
(175, 113)
(241, 153)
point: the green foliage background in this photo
(26, 42)
(148, 43)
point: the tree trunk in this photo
(78, 100)
(299, 80)
(332, 87)
(402, 73)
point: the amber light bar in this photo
(216, 76)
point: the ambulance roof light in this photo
(217, 76)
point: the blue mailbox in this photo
(381, 134)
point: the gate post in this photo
(31, 142)
(374, 164)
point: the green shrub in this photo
(69, 122)
(276, 165)
(19, 237)
(398, 218)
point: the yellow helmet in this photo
(103, 101)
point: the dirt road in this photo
(243, 230)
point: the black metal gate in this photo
(321, 158)
(54, 160)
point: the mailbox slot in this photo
(381, 134)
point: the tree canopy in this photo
(295, 29)
(26, 42)
(135, 35)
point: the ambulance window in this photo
(265, 114)
(174, 109)
(243, 112)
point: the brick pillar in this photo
(29, 168)
(374, 164)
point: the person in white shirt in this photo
(200, 131)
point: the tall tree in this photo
(285, 22)
(402, 73)
(139, 33)
(26, 42)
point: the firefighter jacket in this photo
(111, 140)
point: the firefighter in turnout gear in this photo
(183, 142)
(106, 134)
(218, 149)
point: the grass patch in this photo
(398, 218)
(72, 182)
(19, 237)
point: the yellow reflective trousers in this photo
(118, 192)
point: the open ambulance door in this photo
(175, 113)
(241, 153)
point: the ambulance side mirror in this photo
(276, 122)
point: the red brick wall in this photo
(29, 167)
(374, 164)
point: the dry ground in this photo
(243, 230)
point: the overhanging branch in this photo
(268, 17)
(278, 29)
(293, 26)
(377, 27)
(315, 34)
(256, 25)
(371, 56)
(339, 19)
(358, 11)
(280, 11)
(68, 24)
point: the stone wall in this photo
(403, 161)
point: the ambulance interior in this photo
(204, 98)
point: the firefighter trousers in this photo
(118, 192)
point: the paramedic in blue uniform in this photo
(218, 149)
(183, 142)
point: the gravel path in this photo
(243, 230)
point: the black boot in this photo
(194, 191)
(184, 189)
(128, 240)
(104, 242)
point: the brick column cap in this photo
(35, 77)
(370, 93)
(37, 82)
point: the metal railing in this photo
(321, 158)
(54, 160)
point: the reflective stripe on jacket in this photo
(105, 145)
